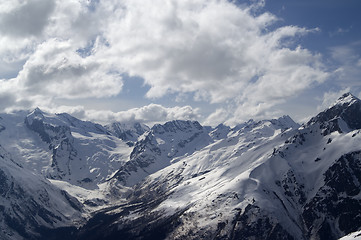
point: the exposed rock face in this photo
(336, 209)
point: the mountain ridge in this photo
(268, 179)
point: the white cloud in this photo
(187, 46)
(212, 49)
(149, 114)
(55, 70)
(217, 117)
(154, 113)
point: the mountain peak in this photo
(285, 122)
(346, 98)
(343, 115)
(35, 114)
(37, 111)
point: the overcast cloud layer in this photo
(212, 50)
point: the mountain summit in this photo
(343, 116)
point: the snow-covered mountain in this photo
(263, 180)
(199, 193)
(160, 147)
(62, 147)
(31, 207)
(269, 179)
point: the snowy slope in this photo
(30, 205)
(261, 180)
(352, 236)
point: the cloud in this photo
(78, 20)
(7, 98)
(152, 113)
(25, 18)
(213, 50)
(55, 70)
(149, 114)
(339, 31)
(186, 46)
(217, 117)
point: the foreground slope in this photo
(31, 207)
(262, 180)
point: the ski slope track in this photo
(269, 179)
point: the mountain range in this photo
(64, 178)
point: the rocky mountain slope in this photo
(270, 179)
(31, 207)
(160, 147)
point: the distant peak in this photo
(37, 110)
(346, 98)
(345, 95)
(285, 122)
(287, 118)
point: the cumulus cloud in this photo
(217, 117)
(149, 114)
(216, 50)
(213, 50)
(39, 52)
(55, 70)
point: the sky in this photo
(215, 61)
